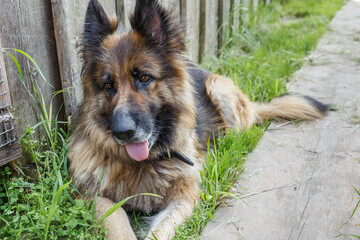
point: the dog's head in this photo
(134, 83)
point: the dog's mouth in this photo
(139, 150)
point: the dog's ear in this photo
(97, 27)
(157, 25)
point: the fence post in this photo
(208, 28)
(190, 16)
(10, 148)
(173, 6)
(223, 23)
(125, 13)
(255, 4)
(236, 8)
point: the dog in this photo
(147, 115)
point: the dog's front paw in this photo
(117, 223)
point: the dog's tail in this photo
(291, 107)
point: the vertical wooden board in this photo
(173, 6)
(69, 19)
(223, 23)
(4, 75)
(129, 6)
(12, 151)
(246, 4)
(190, 15)
(208, 28)
(256, 3)
(27, 25)
(236, 8)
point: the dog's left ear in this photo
(97, 27)
(157, 25)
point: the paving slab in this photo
(299, 180)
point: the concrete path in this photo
(299, 180)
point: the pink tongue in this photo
(138, 151)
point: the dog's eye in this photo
(108, 85)
(145, 78)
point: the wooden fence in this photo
(50, 31)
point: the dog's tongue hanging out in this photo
(138, 151)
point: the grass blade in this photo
(119, 204)
(21, 75)
(52, 209)
(32, 60)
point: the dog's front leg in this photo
(118, 224)
(164, 223)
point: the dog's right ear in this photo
(157, 26)
(97, 27)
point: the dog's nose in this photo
(123, 126)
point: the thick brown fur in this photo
(181, 106)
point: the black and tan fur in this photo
(180, 107)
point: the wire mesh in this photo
(7, 126)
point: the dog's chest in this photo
(159, 179)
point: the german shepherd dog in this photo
(147, 115)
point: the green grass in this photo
(260, 57)
(352, 214)
(43, 205)
(40, 203)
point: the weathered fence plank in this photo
(172, 5)
(128, 8)
(255, 4)
(27, 25)
(8, 151)
(245, 10)
(223, 23)
(208, 28)
(190, 15)
(69, 19)
(236, 8)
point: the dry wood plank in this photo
(208, 28)
(69, 19)
(11, 151)
(173, 6)
(223, 22)
(265, 2)
(4, 75)
(236, 8)
(27, 25)
(129, 6)
(255, 3)
(246, 6)
(190, 16)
